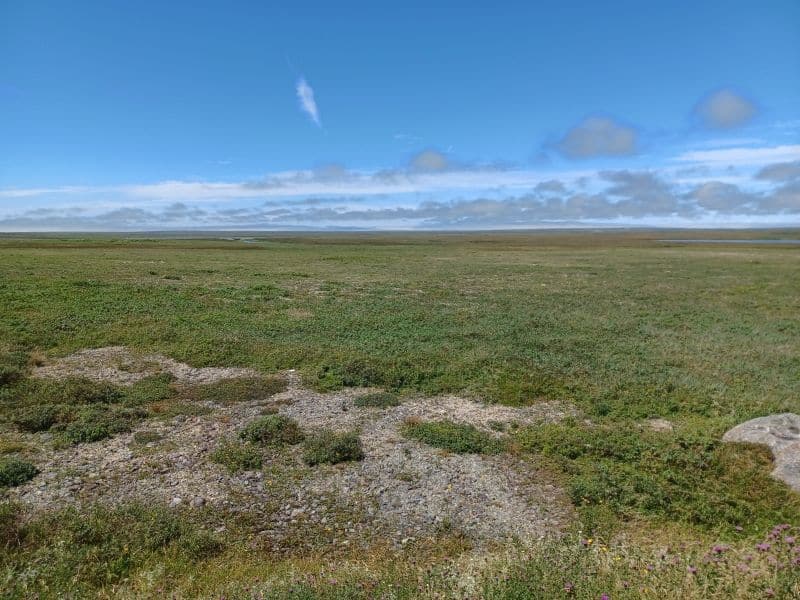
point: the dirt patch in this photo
(121, 366)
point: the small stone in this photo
(176, 501)
(660, 425)
(198, 502)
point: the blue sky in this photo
(244, 115)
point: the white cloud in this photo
(742, 156)
(429, 161)
(725, 109)
(598, 136)
(305, 94)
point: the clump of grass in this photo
(328, 447)
(156, 388)
(454, 437)
(15, 471)
(83, 552)
(9, 374)
(13, 365)
(14, 446)
(237, 456)
(620, 471)
(92, 424)
(378, 400)
(147, 437)
(39, 417)
(238, 389)
(272, 430)
(70, 391)
(580, 567)
(168, 410)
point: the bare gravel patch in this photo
(121, 366)
(403, 489)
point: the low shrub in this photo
(15, 471)
(238, 389)
(71, 391)
(273, 430)
(40, 417)
(237, 456)
(329, 447)
(378, 400)
(92, 423)
(9, 374)
(455, 437)
(149, 390)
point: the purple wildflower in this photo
(605, 597)
(790, 539)
(692, 570)
(763, 546)
(569, 587)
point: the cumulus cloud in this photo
(780, 171)
(719, 196)
(618, 196)
(724, 109)
(598, 136)
(429, 161)
(305, 95)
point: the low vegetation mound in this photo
(328, 447)
(15, 471)
(454, 437)
(237, 456)
(272, 430)
(238, 389)
(377, 400)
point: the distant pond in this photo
(718, 241)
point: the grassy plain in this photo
(619, 324)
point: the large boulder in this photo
(782, 434)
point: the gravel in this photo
(402, 489)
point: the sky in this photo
(135, 116)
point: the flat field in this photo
(587, 337)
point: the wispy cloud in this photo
(305, 94)
(743, 155)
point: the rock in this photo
(660, 425)
(198, 502)
(781, 433)
(176, 501)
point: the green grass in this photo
(80, 553)
(79, 410)
(239, 389)
(377, 400)
(237, 456)
(619, 325)
(328, 447)
(454, 437)
(623, 472)
(272, 430)
(15, 471)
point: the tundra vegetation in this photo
(622, 327)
